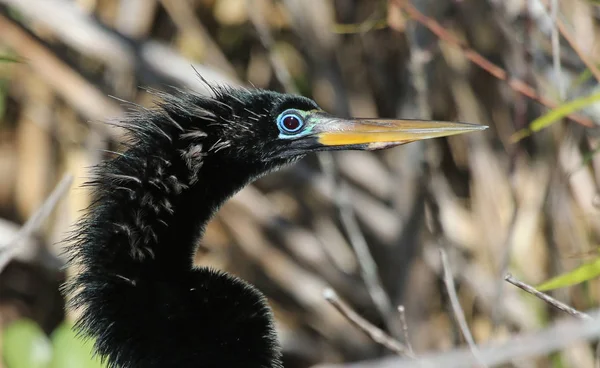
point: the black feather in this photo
(139, 294)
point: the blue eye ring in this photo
(290, 122)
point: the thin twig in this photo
(585, 58)
(402, 313)
(456, 308)
(507, 248)
(556, 50)
(372, 331)
(366, 263)
(436, 230)
(545, 297)
(368, 266)
(35, 221)
(516, 84)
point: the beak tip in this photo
(476, 126)
(470, 127)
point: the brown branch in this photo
(372, 331)
(516, 84)
(545, 297)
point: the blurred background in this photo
(520, 197)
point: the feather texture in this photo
(139, 294)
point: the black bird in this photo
(140, 296)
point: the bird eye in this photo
(289, 122)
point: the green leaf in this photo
(366, 26)
(582, 273)
(26, 346)
(582, 78)
(71, 350)
(556, 114)
(10, 59)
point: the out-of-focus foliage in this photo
(72, 351)
(25, 345)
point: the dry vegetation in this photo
(484, 203)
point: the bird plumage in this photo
(139, 294)
(140, 297)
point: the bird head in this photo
(269, 127)
(264, 130)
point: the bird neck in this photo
(158, 216)
(141, 298)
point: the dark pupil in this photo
(291, 122)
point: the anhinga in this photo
(142, 299)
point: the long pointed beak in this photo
(374, 134)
